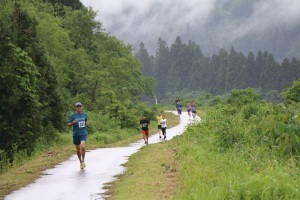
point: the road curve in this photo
(67, 182)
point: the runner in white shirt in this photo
(163, 123)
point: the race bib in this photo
(81, 124)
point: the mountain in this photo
(248, 25)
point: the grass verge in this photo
(151, 174)
(234, 165)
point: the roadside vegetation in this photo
(244, 148)
(151, 174)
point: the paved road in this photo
(67, 182)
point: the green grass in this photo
(207, 174)
(151, 174)
(221, 158)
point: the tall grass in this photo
(238, 153)
(4, 161)
(41, 145)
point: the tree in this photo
(19, 95)
(220, 68)
(28, 84)
(190, 54)
(292, 94)
(236, 77)
(162, 66)
(81, 27)
(269, 73)
(146, 60)
(74, 4)
(258, 68)
(252, 74)
(174, 80)
(241, 97)
(285, 72)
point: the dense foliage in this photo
(183, 66)
(292, 95)
(52, 54)
(75, 4)
(244, 148)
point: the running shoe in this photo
(82, 165)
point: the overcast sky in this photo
(146, 20)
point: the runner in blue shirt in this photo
(179, 108)
(79, 122)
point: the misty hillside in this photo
(248, 25)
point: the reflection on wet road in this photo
(67, 182)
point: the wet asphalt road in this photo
(67, 181)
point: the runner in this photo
(193, 105)
(189, 108)
(144, 126)
(179, 109)
(158, 118)
(163, 123)
(79, 122)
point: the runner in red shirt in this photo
(144, 126)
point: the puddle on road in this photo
(66, 181)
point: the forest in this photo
(184, 67)
(53, 54)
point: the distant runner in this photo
(79, 122)
(179, 109)
(189, 108)
(158, 118)
(144, 123)
(163, 123)
(194, 112)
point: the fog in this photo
(270, 14)
(199, 20)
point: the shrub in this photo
(243, 97)
(292, 94)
